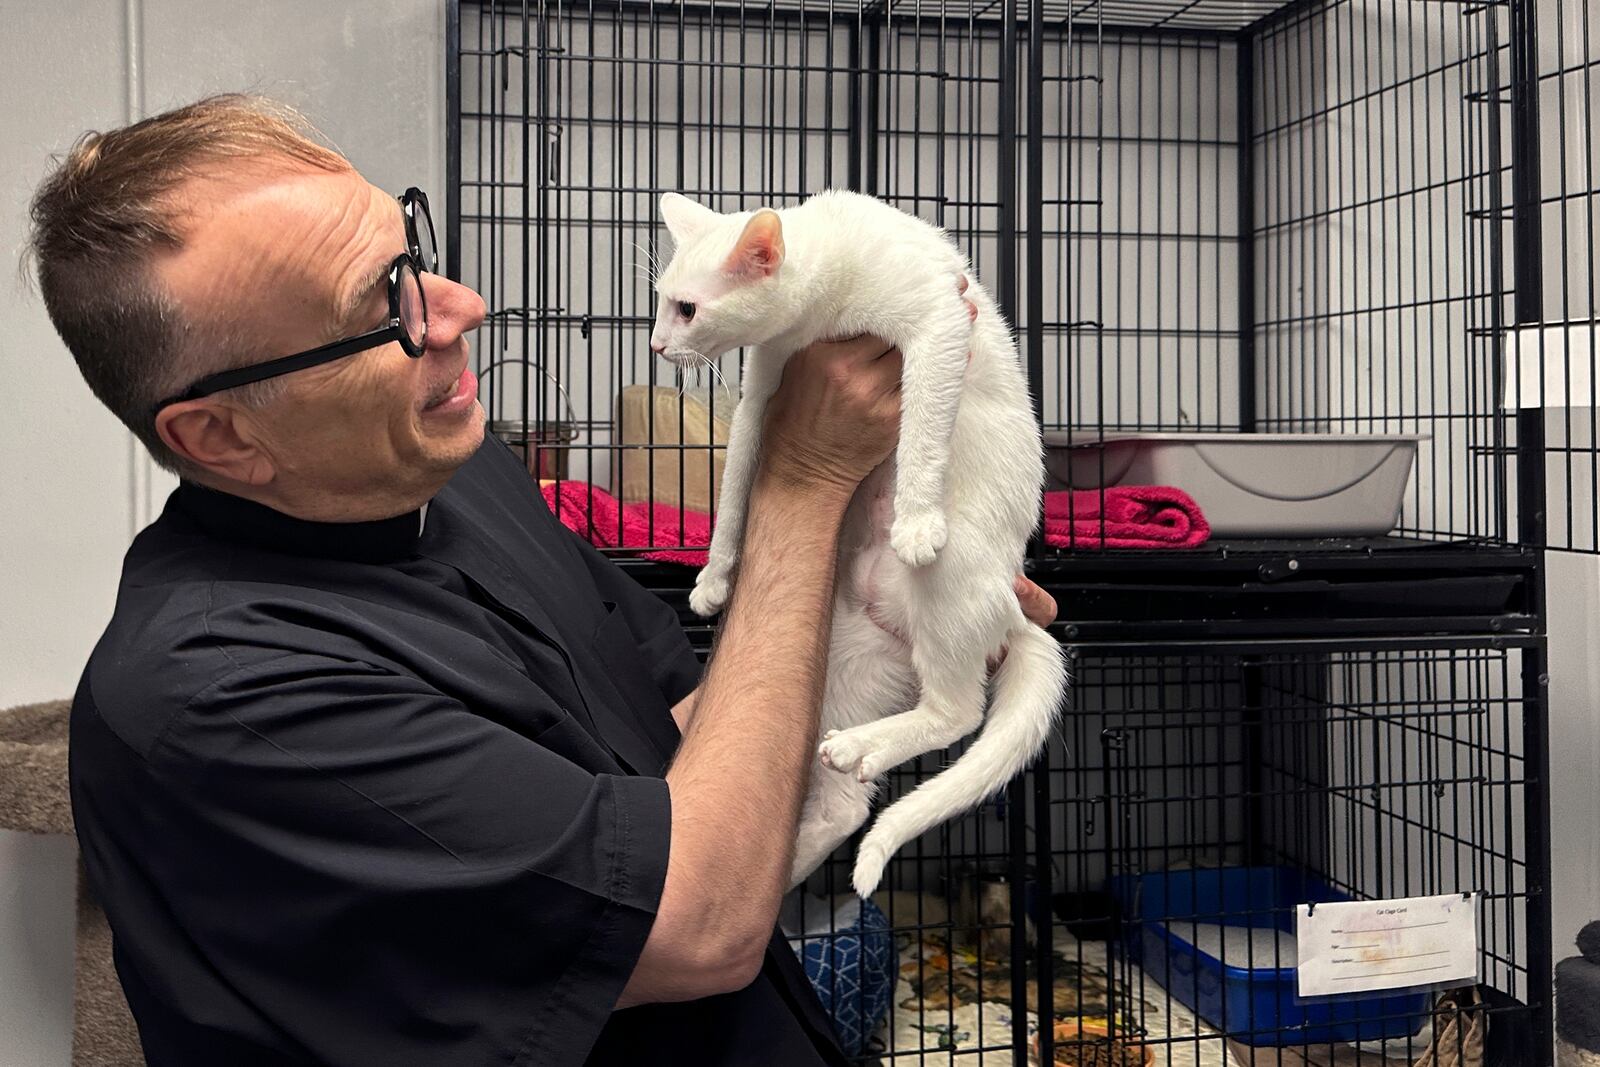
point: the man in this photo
(376, 763)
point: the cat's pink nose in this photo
(657, 347)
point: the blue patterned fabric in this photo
(852, 969)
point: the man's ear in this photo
(759, 252)
(215, 438)
(685, 219)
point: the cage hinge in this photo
(551, 156)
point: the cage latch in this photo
(1278, 569)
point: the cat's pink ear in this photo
(759, 252)
(684, 217)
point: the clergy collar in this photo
(237, 520)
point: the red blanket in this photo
(594, 514)
(1136, 516)
(1124, 516)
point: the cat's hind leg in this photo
(951, 708)
(835, 807)
(869, 676)
(961, 616)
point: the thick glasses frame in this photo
(414, 204)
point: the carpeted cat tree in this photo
(34, 799)
(1578, 1003)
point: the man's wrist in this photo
(822, 498)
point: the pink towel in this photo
(1124, 516)
(592, 513)
(1136, 516)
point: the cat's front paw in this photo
(710, 593)
(917, 539)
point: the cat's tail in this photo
(1028, 690)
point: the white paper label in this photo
(1367, 945)
(1551, 366)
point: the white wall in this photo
(1574, 695)
(73, 486)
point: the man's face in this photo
(287, 259)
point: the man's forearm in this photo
(740, 775)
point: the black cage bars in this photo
(1337, 216)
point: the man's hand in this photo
(961, 287)
(835, 416)
(1037, 605)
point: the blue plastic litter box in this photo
(1257, 1004)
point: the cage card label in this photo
(1367, 945)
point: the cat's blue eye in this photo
(686, 309)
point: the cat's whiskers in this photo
(651, 266)
(716, 376)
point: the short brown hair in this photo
(107, 207)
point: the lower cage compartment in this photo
(1188, 797)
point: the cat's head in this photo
(721, 290)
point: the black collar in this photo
(237, 520)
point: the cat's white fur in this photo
(932, 539)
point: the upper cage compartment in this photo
(1226, 217)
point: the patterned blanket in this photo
(949, 1000)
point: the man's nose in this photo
(453, 309)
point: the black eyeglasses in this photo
(408, 313)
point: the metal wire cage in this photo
(1328, 216)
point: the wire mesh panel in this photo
(1201, 797)
(1141, 232)
(574, 119)
(1378, 266)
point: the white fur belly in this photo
(874, 577)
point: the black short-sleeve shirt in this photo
(389, 793)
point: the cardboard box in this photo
(684, 466)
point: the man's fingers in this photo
(888, 369)
(841, 347)
(1037, 605)
(863, 348)
(961, 287)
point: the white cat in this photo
(932, 539)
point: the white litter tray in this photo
(1253, 484)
